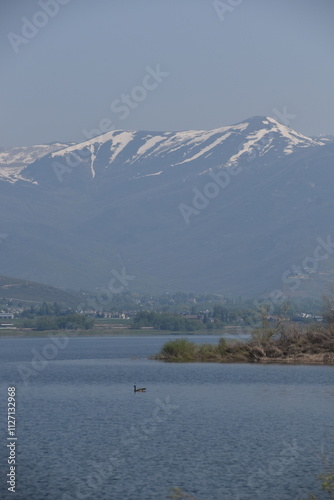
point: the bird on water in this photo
(142, 389)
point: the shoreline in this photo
(20, 333)
(311, 360)
(307, 359)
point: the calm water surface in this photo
(218, 431)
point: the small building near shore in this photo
(6, 315)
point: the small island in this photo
(282, 343)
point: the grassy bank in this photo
(286, 344)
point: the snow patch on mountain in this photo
(149, 144)
(207, 148)
(148, 175)
(117, 136)
(14, 160)
(12, 175)
(119, 143)
(294, 138)
(25, 155)
(92, 159)
(253, 139)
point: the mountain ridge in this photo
(257, 195)
(190, 144)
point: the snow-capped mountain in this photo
(147, 152)
(238, 210)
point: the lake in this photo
(218, 431)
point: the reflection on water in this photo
(218, 431)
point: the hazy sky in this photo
(72, 66)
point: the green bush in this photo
(46, 323)
(179, 350)
(222, 346)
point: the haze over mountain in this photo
(229, 210)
